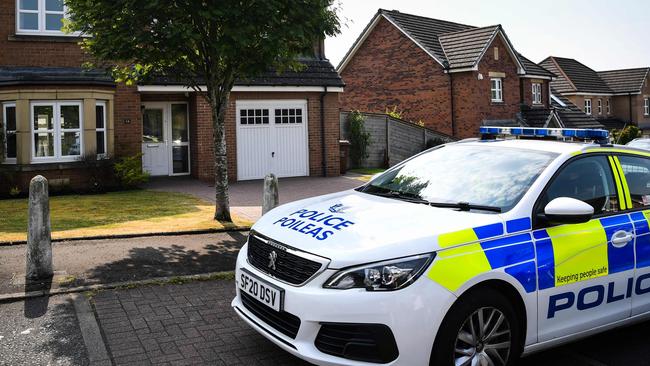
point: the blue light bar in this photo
(592, 134)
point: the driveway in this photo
(246, 196)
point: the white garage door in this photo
(272, 138)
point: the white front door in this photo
(272, 138)
(165, 139)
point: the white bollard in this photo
(39, 240)
(271, 196)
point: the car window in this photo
(637, 175)
(587, 179)
(484, 175)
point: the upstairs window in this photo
(9, 124)
(609, 107)
(588, 106)
(497, 90)
(600, 106)
(537, 93)
(646, 106)
(43, 17)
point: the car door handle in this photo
(621, 238)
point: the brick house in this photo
(57, 116)
(450, 77)
(614, 97)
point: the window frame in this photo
(5, 106)
(588, 107)
(646, 106)
(538, 224)
(57, 131)
(496, 91)
(537, 93)
(42, 13)
(102, 104)
(600, 106)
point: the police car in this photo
(471, 253)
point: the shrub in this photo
(626, 135)
(129, 173)
(359, 138)
(394, 113)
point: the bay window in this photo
(42, 17)
(9, 124)
(57, 131)
(496, 90)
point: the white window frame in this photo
(537, 93)
(4, 124)
(57, 132)
(42, 13)
(588, 107)
(104, 129)
(496, 90)
(609, 106)
(646, 107)
(600, 107)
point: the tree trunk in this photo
(218, 100)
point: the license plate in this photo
(262, 291)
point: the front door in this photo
(584, 270)
(165, 139)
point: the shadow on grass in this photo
(174, 260)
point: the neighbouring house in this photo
(447, 76)
(57, 115)
(614, 98)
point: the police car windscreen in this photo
(479, 175)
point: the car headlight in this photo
(381, 276)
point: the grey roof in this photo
(613, 123)
(533, 68)
(425, 31)
(465, 48)
(535, 117)
(315, 73)
(53, 75)
(560, 82)
(500, 123)
(625, 81)
(570, 115)
(582, 78)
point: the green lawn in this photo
(129, 212)
(367, 171)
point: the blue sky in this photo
(602, 34)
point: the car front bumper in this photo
(413, 314)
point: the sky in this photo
(602, 34)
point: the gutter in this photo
(451, 98)
(629, 98)
(322, 130)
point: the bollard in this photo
(39, 241)
(271, 197)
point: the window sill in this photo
(41, 166)
(43, 37)
(498, 103)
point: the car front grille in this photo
(289, 267)
(284, 322)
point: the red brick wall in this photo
(201, 140)
(127, 121)
(472, 97)
(34, 51)
(390, 70)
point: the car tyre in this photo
(481, 328)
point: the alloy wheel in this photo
(484, 339)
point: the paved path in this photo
(246, 196)
(41, 331)
(107, 261)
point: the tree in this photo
(202, 42)
(629, 133)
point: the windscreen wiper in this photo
(465, 206)
(409, 197)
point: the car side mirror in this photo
(566, 210)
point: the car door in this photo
(635, 169)
(583, 269)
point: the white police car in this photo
(467, 254)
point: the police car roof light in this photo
(489, 132)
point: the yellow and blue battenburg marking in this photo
(471, 252)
